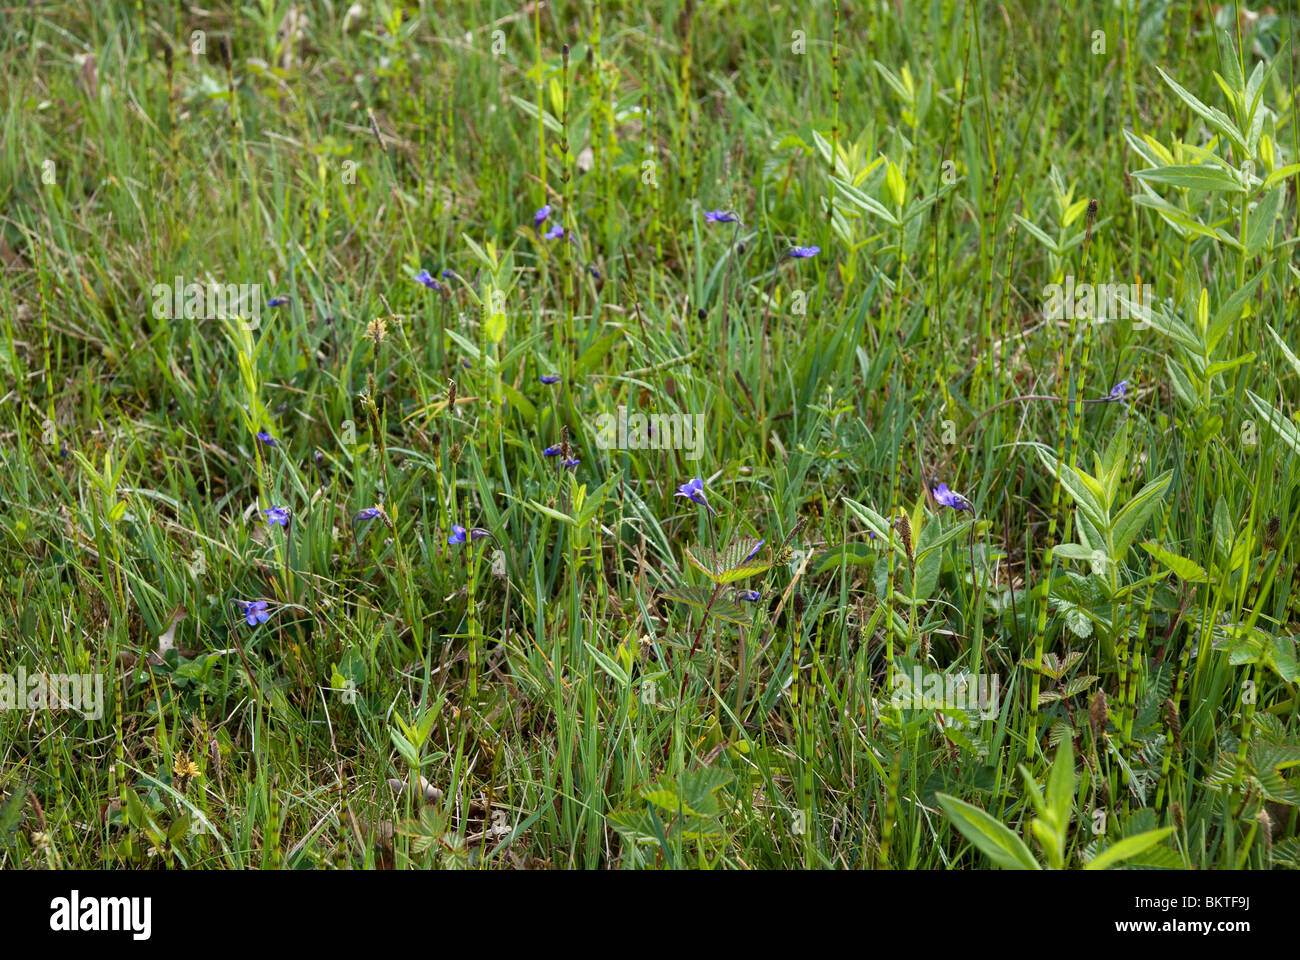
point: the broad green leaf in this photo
(990, 836)
(1038, 234)
(1291, 358)
(1214, 117)
(1126, 848)
(553, 514)
(608, 665)
(1186, 569)
(928, 543)
(1280, 174)
(1284, 428)
(1060, 784)
(522, 404)
(1082, 493)
(1262, 218)
(1231, 310)
(595, 353)
(1130, 520)
(1197, 176)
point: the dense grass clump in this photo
(795, 435)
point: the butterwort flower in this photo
(950, 498)
(369, 513)
(750, 556)
(264, 437)
(277, 516)
(693, 490)
(459, 534)
(803, 253)
(1118, 392)
(572, 462)
(542, 213)
(753, 596)
(449, 274)
(554, 233)
(254, 612)
(553, 451)
(426, 278)
(721, 216)
(550, 378)
(277, 301)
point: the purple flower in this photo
(950, 498)
(721, 216)
(750, 556)
(550, 378)
(369, 513)
(426, 278)
(1118, 392)
(753, 596)
(803, 253)
(554, 233)
(449, 274)
(254, 612)
(693, 490)
(572, 462)
(277, 301)
(458, 534)
(263, 436)
(277, 516)
(542, 213)
(553, 451)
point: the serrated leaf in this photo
(1078, 622)
(723, 608)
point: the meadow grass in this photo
(483, 631)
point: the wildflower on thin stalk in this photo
(549, 378)
(950, 498)
(693, 490)
(264, 437)
(460, 535)
(554, 233)
(721, 216)
(277, 516)
(426, 278)
(253, 612)
(802, 253)
(277, 301)
(540, 216)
